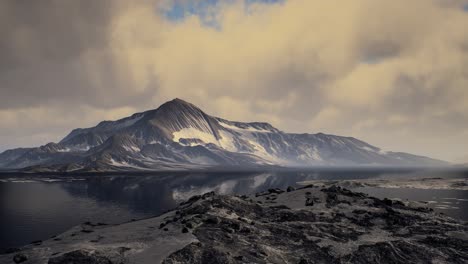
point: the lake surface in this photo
(38, 207)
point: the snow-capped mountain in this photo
(179, 135)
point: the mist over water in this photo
(36, 208)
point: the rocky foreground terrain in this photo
(307, 225)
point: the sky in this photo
(392, 73)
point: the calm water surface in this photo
(36, 208)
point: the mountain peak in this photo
(177, 101)
(178, 106)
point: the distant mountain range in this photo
(179, 135)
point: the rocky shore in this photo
(309, 225)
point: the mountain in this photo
(179, 135)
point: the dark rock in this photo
(281, 206)
(192, 200)
(392, 252)
(36, 242)
(207, 195)
(261, 194)
(185, 230)
(332, 199)
(19, 258)
(212, 220)
(290, 189)
(122, 250)
(276, 190)
(359, 211)
(387, 202)
(196, 254)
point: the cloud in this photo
(60, 52)
(390, 72)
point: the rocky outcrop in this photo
(305, 225)
(333, 225)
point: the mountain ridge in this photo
(179, 135)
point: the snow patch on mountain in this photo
(64, 150)
(227, 141)
(243, 129)
(124, 164)
(374, 149)
(194, 133)
(132, 148)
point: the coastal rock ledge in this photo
(306, 225)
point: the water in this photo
(38, 207)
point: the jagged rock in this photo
(275, 190)
(212, 220)
(337, 234)
(19, 258)
(197, 254)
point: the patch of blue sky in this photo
(204, 9)
(264, 1)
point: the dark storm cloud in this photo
(50, 48)
(51, 30)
